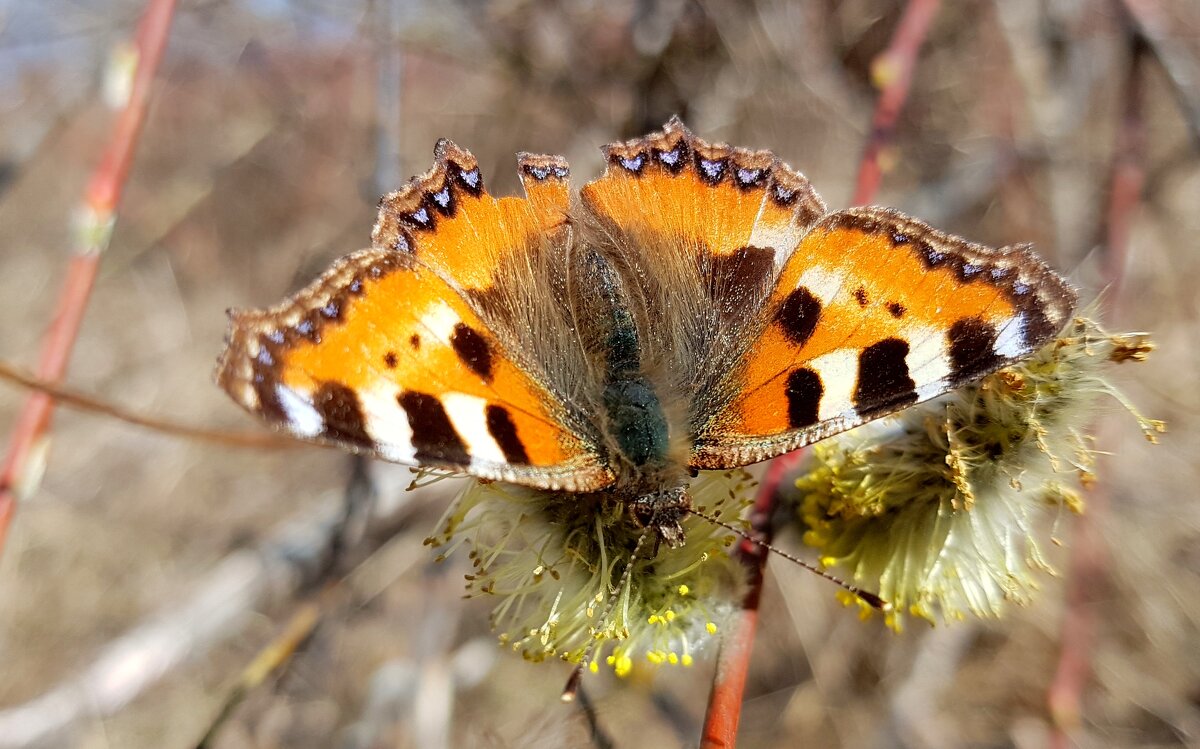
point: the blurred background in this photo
(273, 129)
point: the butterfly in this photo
(696, 307)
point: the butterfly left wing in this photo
(874, 312)
(403, 352)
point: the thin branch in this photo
(1089, 556)
(65, 396)
(892, 72)
(733, 661)
(270, 659)
(23, 463)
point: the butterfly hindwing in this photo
(736, 214)
(874, 312)
(698, 232)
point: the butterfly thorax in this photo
(633, 419)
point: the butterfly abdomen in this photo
(633, 415)
(636, 421)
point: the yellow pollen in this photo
(684, 590)
(624, 665)
(686, 660)
(711, 627)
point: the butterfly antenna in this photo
(866, 597)
(575, 679)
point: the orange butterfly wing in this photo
(874, 312)
(731, 209)
(386, 355)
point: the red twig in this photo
(22, 467)
(1089, 556)
(733, 662)
(892, 72)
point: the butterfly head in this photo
(662, 512)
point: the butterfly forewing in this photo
(384, 355)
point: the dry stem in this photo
(22, 467)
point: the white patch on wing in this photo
(440, 320)
(839, 373)
(301, 416)
(387, 423)
(781, 237)
(928, 361)
(1010, 344)
(822, 283)
(468, 414)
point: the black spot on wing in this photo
(804, 391)
(860, 296)
(972, 346)
(443, 200)
(884, 384)
(784, 196)
(473, 350)
(500, 425)
(749, 177)
(390, 360)
(673, 159)
(434, 437)
(711, 171)
(897, 309)
(340, 410)
(798, 315)
(468, 180)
